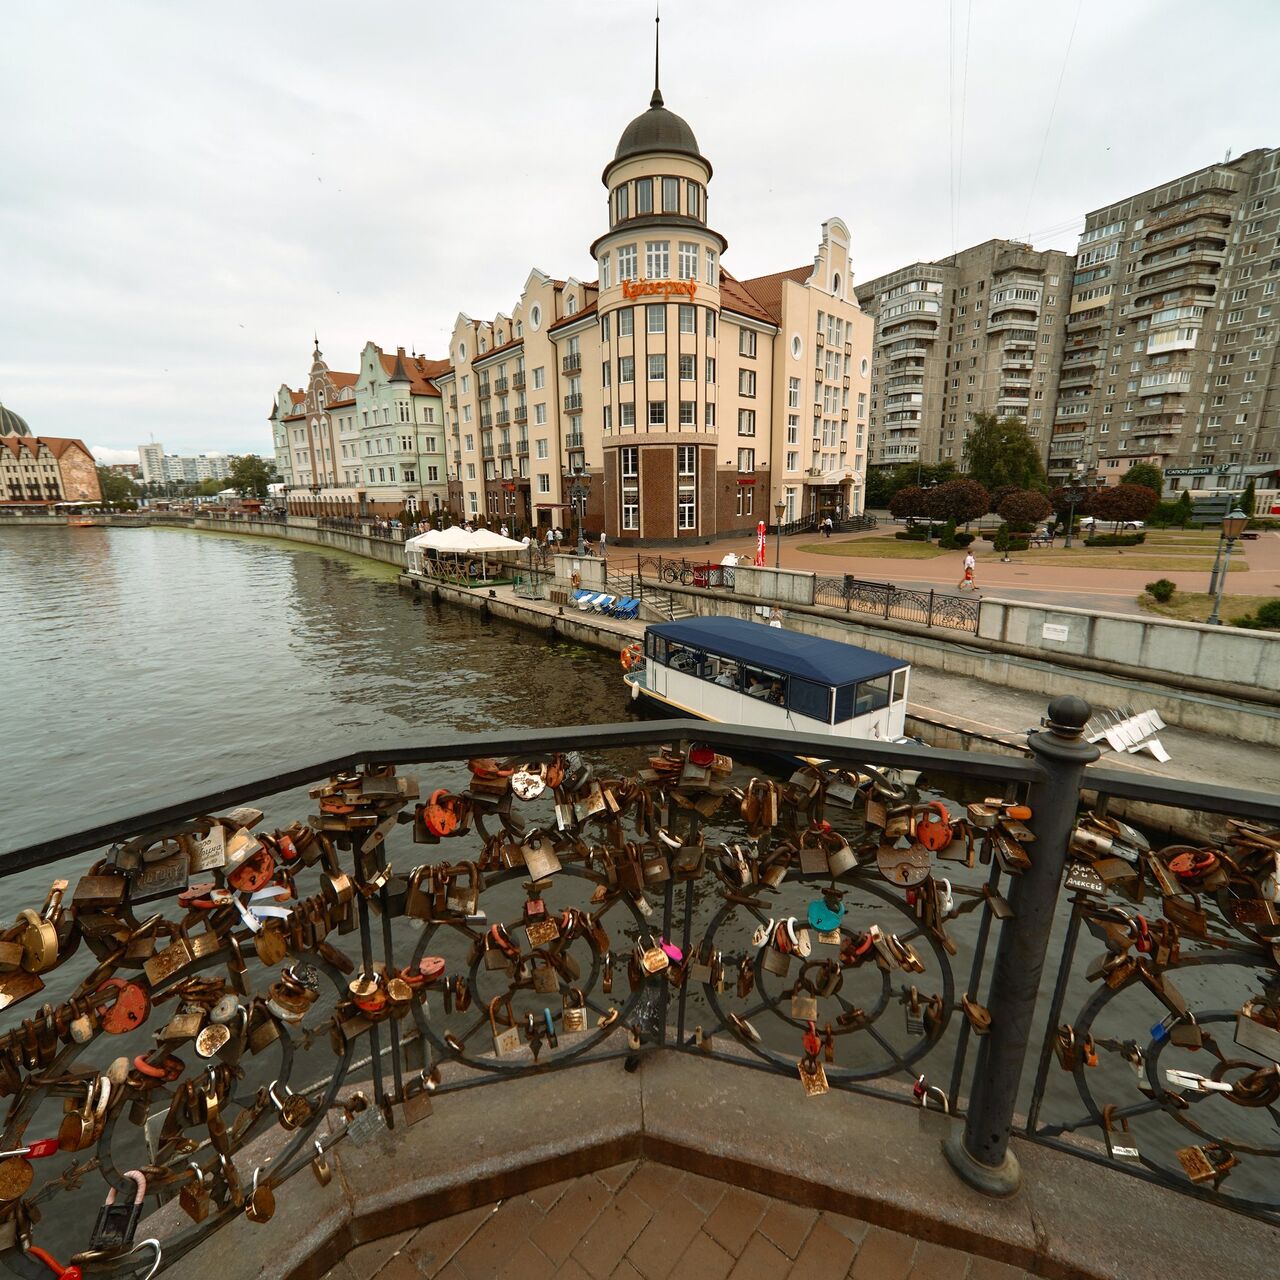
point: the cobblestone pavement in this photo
(644, 1221)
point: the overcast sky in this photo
(188, 191)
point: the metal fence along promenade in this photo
(226, 967)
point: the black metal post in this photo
(1217, 567)
(981, 1155)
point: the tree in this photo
(206, 489)
(1023, 509)
(1145, 474)
(880, 487)
(1249, 500)
(957, 500)
(1183, 508)
(999, 494)
(1000, 452)
(907, 502)
(1120, 502)
(116, 488)
(251, 475)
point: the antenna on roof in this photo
(656, 100)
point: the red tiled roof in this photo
(15, 444)
(58, 445)
(734, 297)
(588, 310)
(343, 379)
(506, 346)
(297, 396)
(420, 371)
(767, 290)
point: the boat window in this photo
(769, 686)
(688, 660)
(845, 697)
(872, 695)
(808, 698)
(657, 648)
(724, 672)
(900, 684)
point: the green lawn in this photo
(877, 548)
(1195, 606)
(1157, 560)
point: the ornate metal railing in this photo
(667, 570)
(581, 898)
(885, 600)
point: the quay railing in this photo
(886, 600)
(897, 922)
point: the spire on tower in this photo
(656, 100)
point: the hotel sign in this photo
(664, 288)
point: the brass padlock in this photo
(194, 1196)
(575, 1010)
(261, 1204)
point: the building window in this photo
(711, 323)
(657, 413)
(862, 405)
(630, 457)
(671, 195)
(746, 461)
(747, 342)
(627, 267)
(713, 270)
(604, 272)
(540, 449)
(709, 417)
(687, 261)
(605, 327)
(626, 322)
(711, 368)
(622, 202)
(657, 368)
(539, 378)
(657, 259)
(627, 415)
(686, 488)
(544, 482)
(688, 318)
(644, 195)
(693, 199)
(687, 371)
(539, 415)
(746, 422)
(626, 368)
(656, 318)
(746, 382)
(688, 413)
(746, 499)
(793, 393)
(606, 421)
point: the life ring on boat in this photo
(631, 656)
(577, 579)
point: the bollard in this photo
(981, 1155)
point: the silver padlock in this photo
(934, 1113)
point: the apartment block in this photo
(1171, 341)
(980, 331)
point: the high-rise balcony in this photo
(483, 390)
(573, 403)
(500, 386)
(573, 440)
(504, 417)
(521, 413)
(517, 380)
(572, 363)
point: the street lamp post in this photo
(1079, 487)
(578, 492)
(1232, 527)
(779, 510)
(1217, 559)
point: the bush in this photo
(947, 538)
(1267, 618)
(1166, 515)
(1115, 540)
(964, 539)
(1162, 590)
(919, 534)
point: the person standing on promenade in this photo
(775, 618)
(968, 580)
(603, 538)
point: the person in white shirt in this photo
(969, 566)
(775, 618)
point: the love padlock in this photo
(132, 1006)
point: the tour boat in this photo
(736, 672)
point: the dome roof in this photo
(11, 424)
(657, 130)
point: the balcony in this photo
(453, 402)
(486, 451)
(573, 403)
(517, 380)
(482, 390)
(486, 421)
(521, 414)
(500, 386)
(522, 446)
(572, 363)
(503, 417)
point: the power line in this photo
(1044, 142)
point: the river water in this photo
(153, 662)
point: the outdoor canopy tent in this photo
(456, 541)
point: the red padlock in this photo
(132, 1007)
(439, 814)
(933, 827)
(1194, 864)
(253, 873)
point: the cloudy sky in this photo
(188, 191)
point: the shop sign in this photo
(665, 288)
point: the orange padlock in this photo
(1019, 812)
(253, 873)
(131, 1009)
(439, 814)
(933, 826)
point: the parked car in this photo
(1089, 523)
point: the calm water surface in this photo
(149, 662)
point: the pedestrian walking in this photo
(504, 531)
(603, 537)
(968, 580)
(827, 527)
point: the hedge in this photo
(912, 535)
(1115, 540)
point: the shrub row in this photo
(1115, 540)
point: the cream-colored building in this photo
(666, 400)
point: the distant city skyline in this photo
(169, 252)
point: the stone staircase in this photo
(655, 605)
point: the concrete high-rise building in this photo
(1171, 342)
(151, 460)
(980, 331)
(159, 467)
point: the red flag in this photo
(760, 543)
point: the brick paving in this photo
(644, 1221)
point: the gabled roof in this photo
(419, 369)
(58, 445)
(733, 297)
(497, 351)
(342, 379)
(16, 444)
(767, 290)
(588, 310)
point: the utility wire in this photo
(1044, 142)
